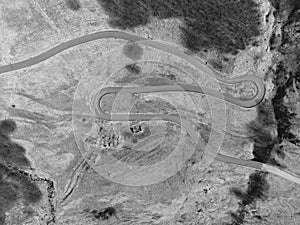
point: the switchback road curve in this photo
(155, 44)
(180, 121)
(171, 49)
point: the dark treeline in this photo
(14, 185)
(287, 78)
(283, 113)
(226, 25)
(274, 114)
(264, 148)
(262, 129)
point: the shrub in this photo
(133, 68)
(105, 214)
(7, 127)
(73, 4)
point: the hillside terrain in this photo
(50, 147)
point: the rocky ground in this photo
(64, 189)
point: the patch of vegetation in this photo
(264, 148)
(30, 192)
(105, 214)
(133, 68)
(11, 153)
(225, 25)
(283, 114)
(73, 4)
(126, 14)
(22, 184)
(261, 128)
(7, 127)
(14, 185)
(270, 115)
(257, 189)
(133, 51)
(216, 64)
(277, 113)
(287, 79)
(278, 4)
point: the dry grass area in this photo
(40, 100)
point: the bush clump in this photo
(7, 127)
(73, 4)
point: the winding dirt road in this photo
(167, 47)
(173, 118)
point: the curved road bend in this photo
(156, 44)
(181, 122)
(195, 61)
(69, 44)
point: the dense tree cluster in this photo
(265, 145)
(225, 25)
(283, 113)
(261, 129)
(287, 78)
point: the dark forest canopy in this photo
(225, 25)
